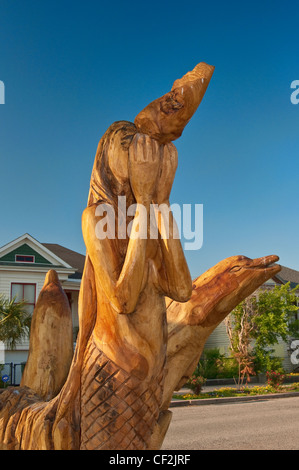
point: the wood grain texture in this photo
(112, 400)
(118, 410)
(142, 326)
(122, 312)
(165, 118)
(131, 278)
(51, 341)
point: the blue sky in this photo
(72, 68)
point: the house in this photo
(24, 263)
(219, 338)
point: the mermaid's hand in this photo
(144, 164)
(169, 165)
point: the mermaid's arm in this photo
(121, 289)
(175, 280)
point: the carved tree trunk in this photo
(51, 341)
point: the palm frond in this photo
(15, 321)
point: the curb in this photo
(225, 400)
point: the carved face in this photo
(165, 118)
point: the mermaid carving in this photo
(115, 395)
(126, 352)
(127, 348)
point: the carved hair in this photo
(103, 185)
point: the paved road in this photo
(258, 425)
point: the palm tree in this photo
(14, 321)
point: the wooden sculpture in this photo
(117, 390)
(165, 118)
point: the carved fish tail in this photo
(118, 411)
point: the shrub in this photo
(209, 363)
(275, 363)
(227, 368)
(274, 378)
(214, 365)
(195, 383)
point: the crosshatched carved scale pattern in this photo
(118, 411)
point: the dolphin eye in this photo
(234, 269)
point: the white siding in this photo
(5, 284)
(8, 277)
(219, 339)
(38, 278)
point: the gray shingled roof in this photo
(74, 259)
(288, 275)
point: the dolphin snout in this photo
(265, 261)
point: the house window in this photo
(24, 292)
(24, 259)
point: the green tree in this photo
(274, 321)
(258, 324)
(15, 321)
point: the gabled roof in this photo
(27, 245)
